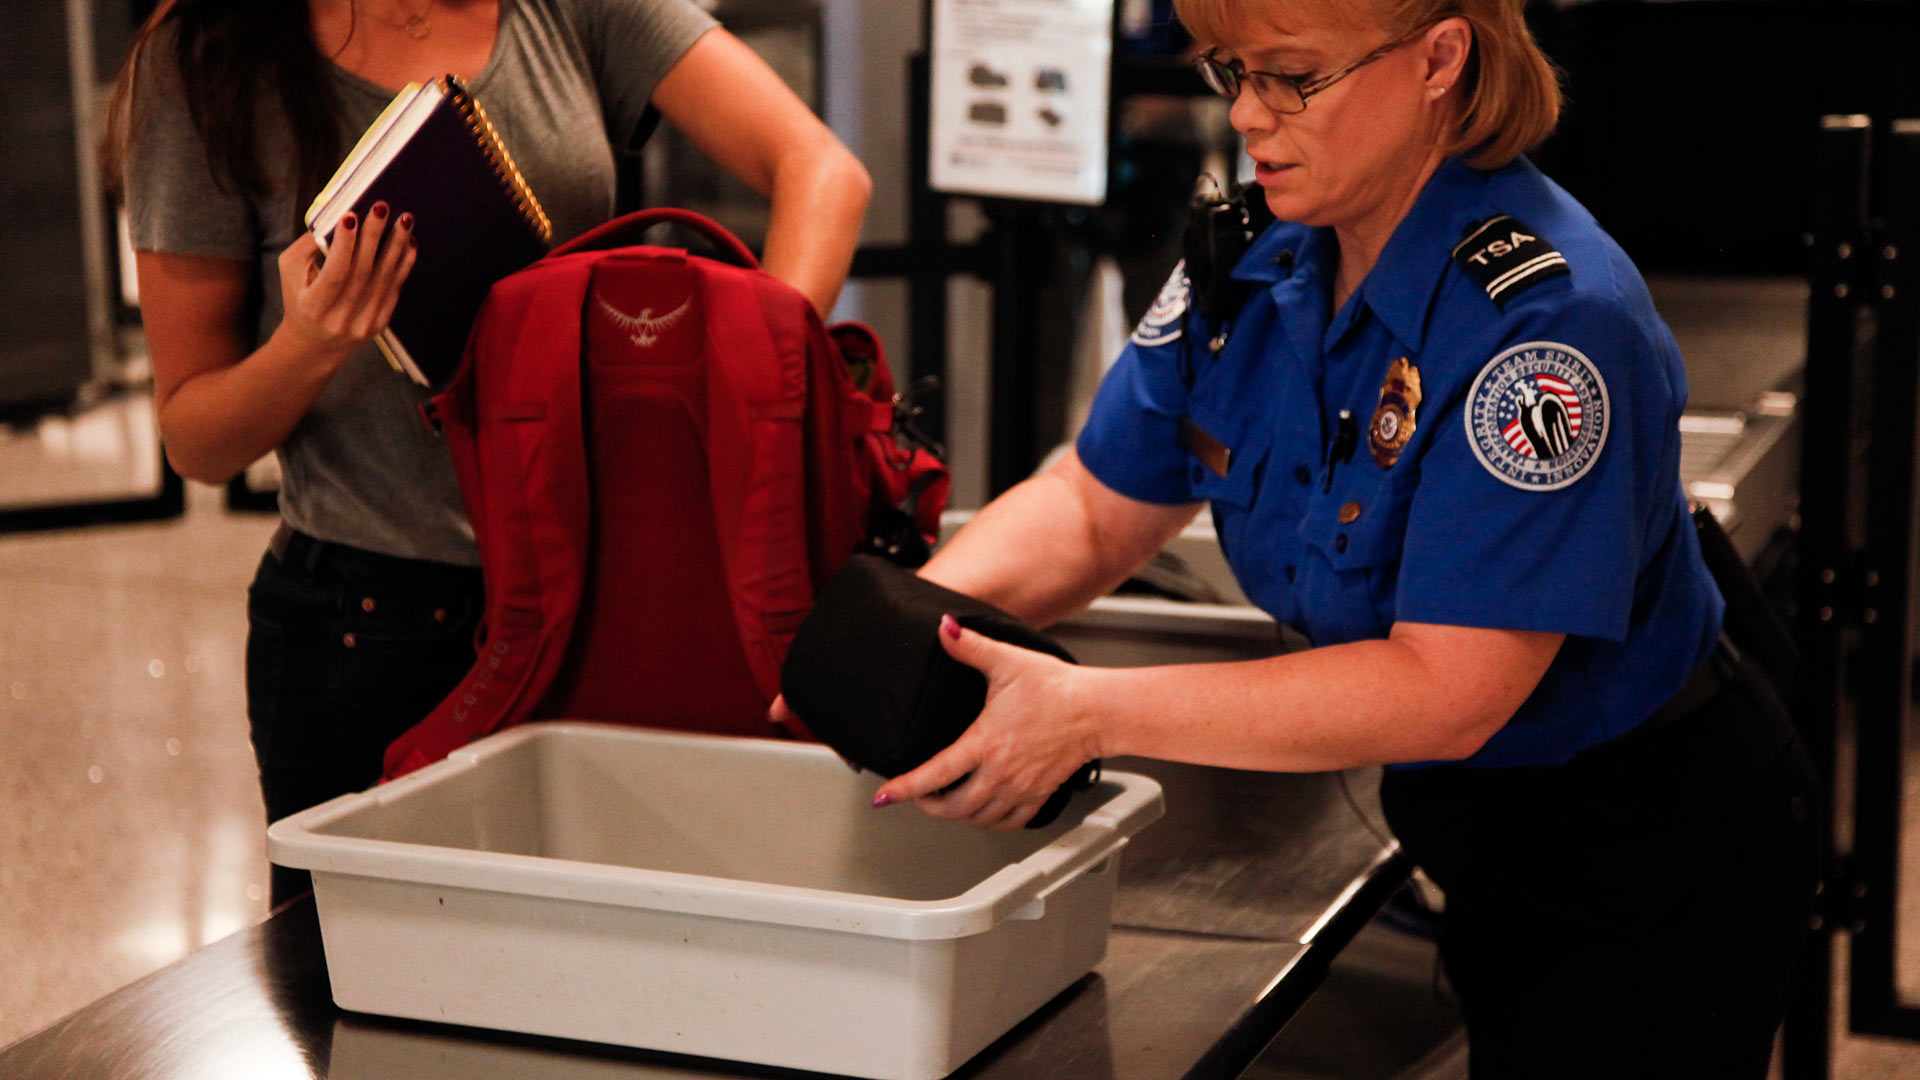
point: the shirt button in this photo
(1292, 572)
(347, 640)
(1303, 474)
(366, 604)
(1340, 543)
(1199, 474)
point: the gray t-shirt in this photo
(567, 79)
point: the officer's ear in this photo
(1447, 43)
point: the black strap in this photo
(1219, 232)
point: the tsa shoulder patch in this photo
(1166, 318)
(1537, 416)
(1506, 258)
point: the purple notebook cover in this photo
(471, 232)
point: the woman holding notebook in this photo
(229, 117)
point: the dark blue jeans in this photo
(346, 649)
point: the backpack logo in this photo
(645, 328)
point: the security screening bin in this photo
(732, 898)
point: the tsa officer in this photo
(1437, 432)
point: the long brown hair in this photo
(233, 57)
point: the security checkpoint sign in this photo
(1021, 90)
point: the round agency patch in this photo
(1537, 416)
(1164, 321)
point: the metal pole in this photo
(1837, 244)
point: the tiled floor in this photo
(130, 824)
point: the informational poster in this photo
(1021, 90)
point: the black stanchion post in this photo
(930, 257)
(1838, 245)
(1019, 252)
(1885, 615)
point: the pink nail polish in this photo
(950, 627)
(882, 800)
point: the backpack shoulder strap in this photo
(756, 459)
(514, 428)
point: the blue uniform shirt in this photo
(1538, 488)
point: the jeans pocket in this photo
(404, 652)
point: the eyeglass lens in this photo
(1226, 77)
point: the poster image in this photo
(1021, 93)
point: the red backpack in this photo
(664, 457)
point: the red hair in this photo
(1510, 90)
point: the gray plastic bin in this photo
(732, 898)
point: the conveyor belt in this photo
(1745, 345)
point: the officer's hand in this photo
(1030, 738)
(336, 303)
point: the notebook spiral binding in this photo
(503, 165)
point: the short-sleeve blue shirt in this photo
(1538, 488)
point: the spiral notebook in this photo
(433, 153)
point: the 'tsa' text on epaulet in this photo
(1506, 257)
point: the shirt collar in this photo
(1403, 282)
(1274, 254)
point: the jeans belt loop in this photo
(290, 547)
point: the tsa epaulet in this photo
(1506, 257)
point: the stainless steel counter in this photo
(1229, 910)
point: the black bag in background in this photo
(868, 675)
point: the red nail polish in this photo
(882, 800)
(950, 627)
(380, 210)
(413, 241)
(349, 221)
(406, 220)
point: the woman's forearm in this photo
(1028, 552)
(223, 419)
(1053, 544)
(222, 407)
(1410, 697)
(819, 200)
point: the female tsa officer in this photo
(1440, 438)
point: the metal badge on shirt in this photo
(1166, 318)
(1394, 419)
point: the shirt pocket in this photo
(1354, 537)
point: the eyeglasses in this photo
(1281, 93)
